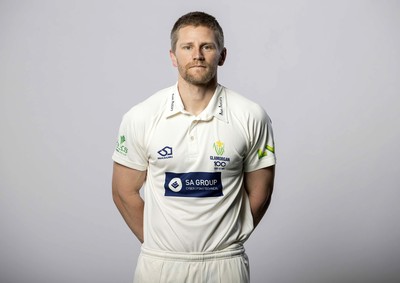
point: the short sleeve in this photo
(262, 146)
(130, 148)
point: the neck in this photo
(195, 98)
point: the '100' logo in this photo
(219, 164)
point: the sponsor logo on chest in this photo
(193, 184)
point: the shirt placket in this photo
(193, 139)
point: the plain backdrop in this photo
(327, 72)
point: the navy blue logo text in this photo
(165, 153)
(193, 184)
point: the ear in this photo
(173, 58)
(222, 57)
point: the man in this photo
(204, 156)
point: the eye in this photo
(186, 47)
(208, 47)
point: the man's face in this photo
(197, 55)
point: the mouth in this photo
(197, 66)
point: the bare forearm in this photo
(126, 185)
(131, 208)
(259, 185)
(259, 208)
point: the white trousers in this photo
(217, 267)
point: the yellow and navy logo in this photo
(220, 161)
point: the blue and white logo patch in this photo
(193, 184)
(165, 153)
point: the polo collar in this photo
(215, 108)
(174, 103)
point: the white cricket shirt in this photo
(194, 195)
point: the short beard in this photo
(196, 79)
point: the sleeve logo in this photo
(264, 152)
(121, 148)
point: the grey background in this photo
(327, 72)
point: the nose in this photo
(198, 54)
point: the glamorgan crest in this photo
(219, 147)
(219, 161)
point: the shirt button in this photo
(192, 137)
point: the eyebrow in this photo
(201, 44)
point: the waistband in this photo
(180, 256)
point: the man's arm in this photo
(259, 185)
(126, 184)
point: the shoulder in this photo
(151, 107)
(244, 108)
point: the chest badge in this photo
(219, 161)
(165, 153)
